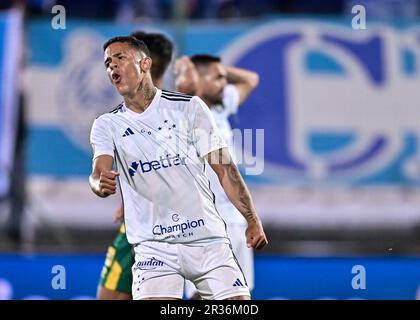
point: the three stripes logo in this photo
(128, 132)
(238, 283)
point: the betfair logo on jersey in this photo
(149, 264)
(161, 163)
(182, 228)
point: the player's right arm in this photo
(102, 179)
(119, 214)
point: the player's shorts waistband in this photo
(198, 243)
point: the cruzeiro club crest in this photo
(336, 104)
(85, 91)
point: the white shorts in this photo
(161, 269)
(243, 254)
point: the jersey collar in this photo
(151, 106)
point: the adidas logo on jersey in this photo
(161, 163)
(128, 132)
(238, 283)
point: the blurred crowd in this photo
(132, 10)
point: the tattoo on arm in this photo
(235, 179)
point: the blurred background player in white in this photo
(169, 209)
(223, 89)
(116, 276)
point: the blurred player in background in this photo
(116, 276)
(169, 208)
(224, 89)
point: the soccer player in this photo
(161, 142)
(116, 276)
(224, 89)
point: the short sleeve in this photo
(230, 99)
(206, 135)
(101, 139)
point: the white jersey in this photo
(221, 114)
(160, 156)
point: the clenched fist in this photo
(255, 236)
(108, 183)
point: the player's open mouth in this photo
(116, 78)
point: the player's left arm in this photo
(236, 190)
(244, 80)
(211, 146)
